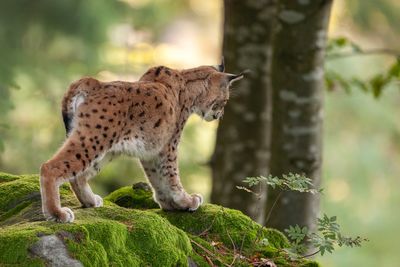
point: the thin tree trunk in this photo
(297, 115)
(242, 147)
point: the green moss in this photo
(110, 235)
(131, 238)
(15, 242)
(135, 198)
(225, 225)
(14, 211)
(119, 236)
(16, 191)
(6, 177)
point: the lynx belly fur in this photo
(144, 119)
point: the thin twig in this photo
(259, 231)
(209, 252)
(234, 248)
(267, 219)
(311, 254)
(241, 245)
(206, 257)
(212, 223)
(209, 261)
(272, 207)
(364, 53)
(234, 259)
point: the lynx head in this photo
(215, 85)
(207, 86)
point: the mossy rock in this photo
(138, 196)
(133, 233)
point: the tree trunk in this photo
(297, 115)
(242, 147)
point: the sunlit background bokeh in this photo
(361, 134)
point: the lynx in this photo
(143, 119)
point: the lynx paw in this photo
(64, 215)
(197, 200)
(95, 202)
(98, 201)
(183, 202)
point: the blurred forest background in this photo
(45, 45)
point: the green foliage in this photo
(42, 25)
(41, 37)
(323, 240)
(288, 182)
(301, 238)
(341, 48)
(339, 43)
(297, 234)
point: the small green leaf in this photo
(377, 84)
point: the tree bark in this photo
(297, 115)
(242, 147)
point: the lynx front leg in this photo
(163, 175)
(81, 187)
(83, 191)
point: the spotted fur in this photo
(144, 119)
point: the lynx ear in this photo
(220, 67)
(236, 77)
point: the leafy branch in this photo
(343, 48)
(288, 182)
(327, 235)
(323, 240)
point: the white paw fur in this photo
(68, 216)
(98, 201)
(198, 199)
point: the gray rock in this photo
(53, 250)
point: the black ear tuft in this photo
(221, 67)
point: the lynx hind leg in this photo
(168, 190)
(70, 161)
(50, 180)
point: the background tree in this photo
(242, 146)
(297, 114)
